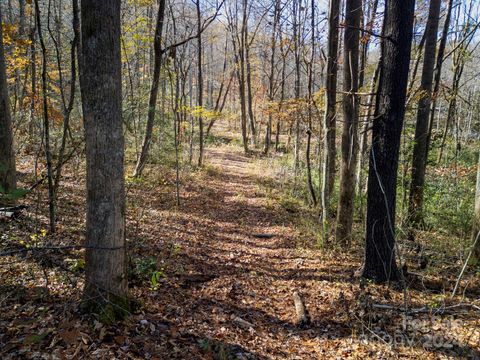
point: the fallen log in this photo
(11, 211)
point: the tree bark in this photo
(372, 12)
(310, 105)
(476, 216)
(7, 155)
(282, 87)
(271, 75)
(101, 82)
(329, 123)
(438, 72)
(421, 129)
(248, 68)
(353, 12)
(380, 263)
(297, 5)
(46, 122)
(68, 107)
(152, 101)
(364, 132)
(199, 84)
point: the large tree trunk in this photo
(380, 263)
(101, 83)
(329, 123)
(7, 156)
(351, 104)
(421, 129)
(152, 101)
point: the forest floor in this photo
(215, 278)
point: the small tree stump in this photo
(303, 317)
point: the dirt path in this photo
(239, 260)
(223, 292)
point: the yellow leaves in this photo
(141, 3)
(142, 38)
(16, 48)
(199, 111)
(319, 98)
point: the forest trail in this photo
(239, 266)
(227, 261)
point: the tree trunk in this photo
(372, 12)
(476, 217)
(438, 72)
(46, 122)
(248, 67)
(421, 129)
(351, 104)
(271, 76)
(68, 107)
(459, 64)
(199, 84)
(101, 82)
(413, 73)
(221, 97)
(282, 88)
(310, 105)
(7, 155)
(364, 132)
(380, 263)
(297, 5)
(239, 61)
(152, 101)
(329, 123)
